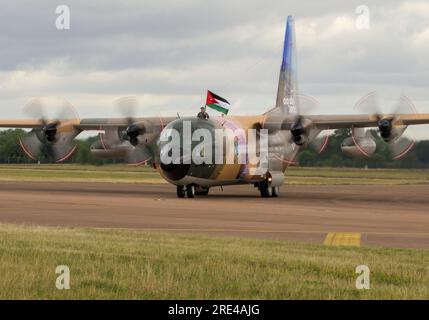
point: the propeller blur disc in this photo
(126, 140)
(301, 127)
(391, 127)
(53, 140)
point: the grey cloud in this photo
(175, 50)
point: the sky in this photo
(169, 53)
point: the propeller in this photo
(303, 131)
(298, 131)
(128, 106)
(131, 142)
(390, 126)
(53, 139)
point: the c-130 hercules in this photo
(139, 140)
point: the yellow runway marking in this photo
(342, 239)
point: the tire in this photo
(264, 189)
(190, 191)
(181, 192)
(275, 191)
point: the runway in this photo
(391, 216)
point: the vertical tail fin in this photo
(287, 92)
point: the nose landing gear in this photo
(181, 191)
(188, 191)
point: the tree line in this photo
(332, 156)
(11, 152)
(418, 157)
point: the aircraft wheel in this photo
(275, 191)
(181, 192)
(190, 191)
(264, 189)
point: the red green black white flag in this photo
(216, 102)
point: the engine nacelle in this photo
(98, 151)
(388, 131)
(300, 130)
(142, 132)
(365, 147)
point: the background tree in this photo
(11, 152)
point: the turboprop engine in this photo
(54, 137)
(365, 148)
(133, 140)
(390, 127)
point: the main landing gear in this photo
(267, 191)
(191, 191)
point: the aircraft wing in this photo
(13, 123)
(326, 122)
(100, 123)
(85, 124)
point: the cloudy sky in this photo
(170, 52)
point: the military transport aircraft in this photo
(138, 140)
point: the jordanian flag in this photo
(216, 102)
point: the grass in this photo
(349, 176)
(129, 174)
(79, 173)
(127, 264)
(119, 264)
